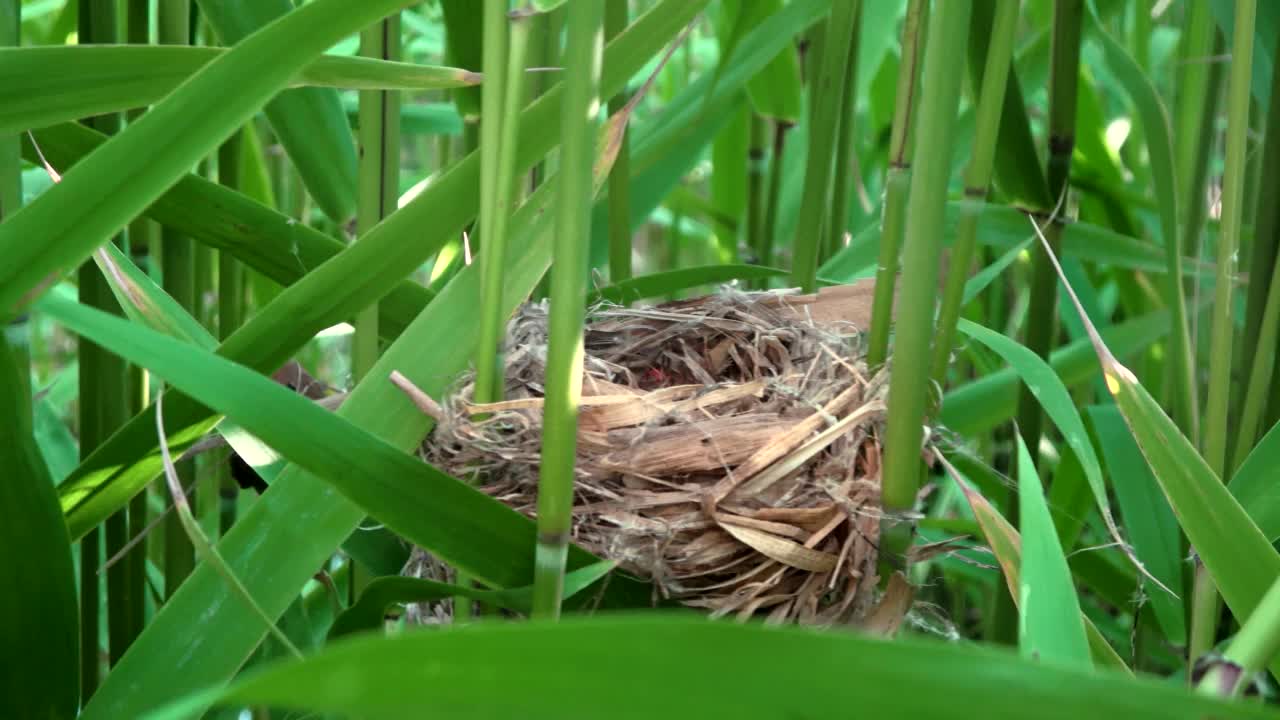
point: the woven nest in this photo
(728, 448)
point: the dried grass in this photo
(729, 448)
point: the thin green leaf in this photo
(1050, 626)
(671, 281)
(981, 405)
(41, 86)
(1254, 484)
(370, 609)
(1147, 517)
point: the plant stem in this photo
(768, 239)
(378, 172)
(103, 386)
(845, 162)
(496, 157)
(1262, 328)
(177, 262)
(568, 295)
(756, 204)
(143, 242)
(944, 64)
(1215, 420)
(615, 21)
(1041, 313)
(825, 92)
(977, 179)
(1205, 611)
(897, 182)
(1252, 648)
(231, 299)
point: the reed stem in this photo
(977, 179)
(615, 21)
(568, 296)
(826, 91)
(897, 182)
(909, 381)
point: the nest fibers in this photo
(728, 448)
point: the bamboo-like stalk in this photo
(825, 93)
(1205, 603)
(909, 382)
(1266, 329)
(977, 179)
(177, 262)
(378, 172)
(1042, 318)
(1216, 405)
(231, 313)
(10, 147)
(615, 21)
(568, 296)
(504, 59)
(756, 164)
(769, 233)
(845, 163)
(103, 408)
(143, 240)
(897, 182)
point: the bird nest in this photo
(728, 448)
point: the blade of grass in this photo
(1051, 626)
(1146, 515)
(75, 81)
(981, 405)
(367, 676)
(1254, 486)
